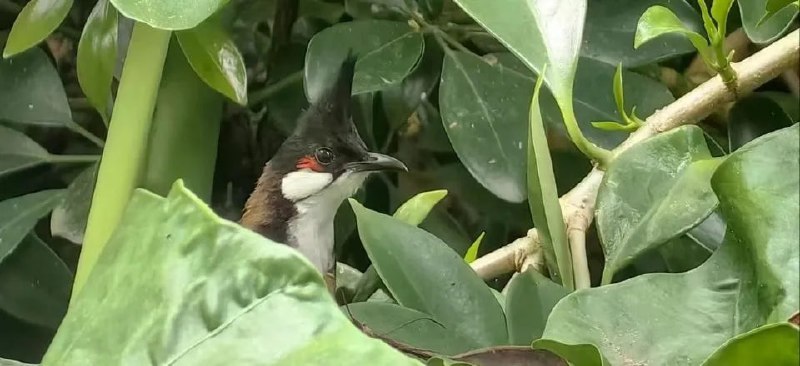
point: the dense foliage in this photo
(497, 107)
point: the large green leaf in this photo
(653, 192)
(757, 189)
(169, 14)
(408, 326)
(469, 84)
(18, 151)
(753, 11)
(387, 52)
(424, 274)
(37, 20)
(772, 344)
(401, 100)
(97, 56)
(35, 284)
(178, 285)
(682, 318)
(610, 24)
(552, 35)
(773, 6)
(530, 298)
(215, 58)
(69, 217)
(753, 116)
(484, 111)
(31, 91)
(19, 215)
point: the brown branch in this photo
(578, 204)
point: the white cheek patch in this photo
(304, 183)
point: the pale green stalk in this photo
(124, 155)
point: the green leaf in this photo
(657, 21)
(407, 326)
(35, 284)
(753, 116)
(619, 93)
(18, 151)
(69, 217)
(554, 36)
(531, 297)
(215, 58)
(424, 274)
(34, 23)
(631, 122)
(19, 215)
(484, 111)
(683, 318)
(387, 52)
(401, 100)
(472, 251)
(169, 14)
(239, 297)
(417, 208)
(757, 189)
(611, 23)
(772, 344)
(543, 198)
(763, 25)
(719, 11)
(97, 56)
(414, 211)
(648, 198)
(31, 91)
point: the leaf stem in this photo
(73, 158)
(594, 152)
(86, 134)
(123, 161)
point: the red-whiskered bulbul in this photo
(322, 163)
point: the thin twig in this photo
(578, 204)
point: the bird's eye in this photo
(324, 155)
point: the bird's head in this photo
(325, 154)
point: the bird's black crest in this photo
(332, 111)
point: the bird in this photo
(323, 162)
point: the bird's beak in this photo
(377, 162)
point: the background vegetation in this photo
(681, 241)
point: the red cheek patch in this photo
(308, 162)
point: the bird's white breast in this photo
(311, 230)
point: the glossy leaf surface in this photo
(424, 274)
(97, 56)
(199, 289)
(387, 52)
(37, 20)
